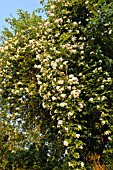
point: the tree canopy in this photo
(56, 88)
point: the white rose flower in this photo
(77, 135)
(60, 82)
(102, 86)
(86, 2)
(52, 6)
(60, 122)
(46, 23)
(103, 122)
(35, 66)
(71, 76)
(82, 164)
(107, 132)
(75, 79)
(57, 87)
(65, 143)
(54, 64)
(80, 74)
(69, 164)
(39, 82)
(91, 99)
(66, 152)
(98, 106)
(81, 147)
(110, 31)
(54, 98)
(2, 49)
(75, 93)
(63, 104)
(73, 38)
(109, 79)
(61, 89)
(100, 68)
(103, 98)
(69, 87)
(63, 95)
(82, 52)
(81, 105)
(66, 128)
(109, 138)
(73, 51)
(75, 23)
(70, 114)
(79, 127)
(6, 47)
(77, 31)
(61, 67)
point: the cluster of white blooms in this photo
(57, 21)
(75, 93)
(72, 79)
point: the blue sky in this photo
(8, 7)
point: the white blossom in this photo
(110, 31)
(60, 82)
(60, 122)
(81, 105)
(103, 122)
(37, 66)
(103, 98)
(77, 135)
(73, 38)
(102, 86)
(77, 31)
(54, 98)
(46, 23)
(66, 152)
(63, 104)
(53, 64)
(65, 143)
(75, 93)
(109, 138)
(86, 2)
(69, 164)
(107, 133)
(63, 95)
(66, 128)
(79, 127)
(73, 51)
(52, 6)
(91, 99)
(71, 75)
(109, 79)
(75, 23)
(70, 114)
(82, 164)
(69, 87)
(81, 147)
